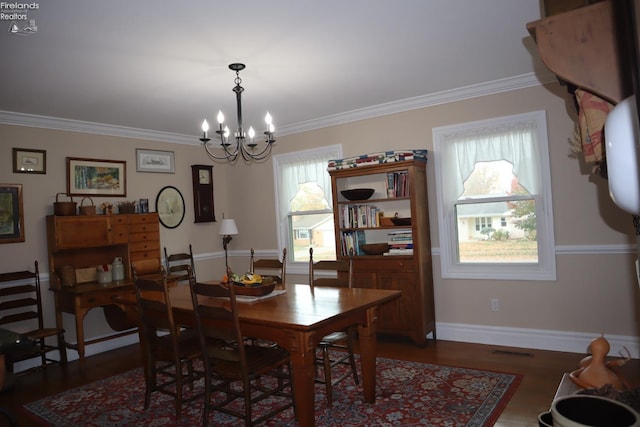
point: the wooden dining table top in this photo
(299, 307)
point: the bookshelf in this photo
(400, 187)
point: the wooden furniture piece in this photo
(83, 242)
(177, 265)
(166, 349)
(297, 320)
(275, 268)
(344, 277)
(241, 364)
(22, 302)
(582, 47)
(399, 187)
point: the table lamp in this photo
(228, 228)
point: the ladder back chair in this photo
(176, 265)
(274, 268)
(340, 340)
(166, 348)
(20, 303)
(261, 372)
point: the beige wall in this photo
(595, 290)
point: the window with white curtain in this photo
(493, 189)
(304, 204)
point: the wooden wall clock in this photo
(202, 178)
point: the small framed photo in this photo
(11, 213)
(93, 177)
(143, 206)
(29, 161)
(155, 161)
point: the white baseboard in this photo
(541, 339)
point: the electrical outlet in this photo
(495, 304)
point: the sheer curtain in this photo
(515, 143)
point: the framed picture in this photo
(29, 161)
(11, 213)
(92, 177)
(155, 161)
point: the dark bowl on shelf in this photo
(374, 248)
(401, 221)
(358, 193)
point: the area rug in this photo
(407, 394)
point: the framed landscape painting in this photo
(11, 213)
(92, 177)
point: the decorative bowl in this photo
(254, 291)
(374, 248)
(401, 221)
(358, 193)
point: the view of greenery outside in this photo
(311, 224)
(496, 244)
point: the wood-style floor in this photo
(542, 371)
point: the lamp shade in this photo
(228, 227)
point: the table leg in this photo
(303, 368)
(367, 340)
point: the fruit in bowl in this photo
(246, 279)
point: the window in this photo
(494, 199)
(304, 210)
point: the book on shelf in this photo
(393, 251)
(352, 239)
(397, 184)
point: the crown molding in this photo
(459, 94)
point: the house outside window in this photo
(304, 210)
(494, 199)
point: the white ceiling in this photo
(163, 65)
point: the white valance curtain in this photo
(515, 143)
(304, 167)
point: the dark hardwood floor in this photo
(542, 371)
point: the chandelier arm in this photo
(229, 156)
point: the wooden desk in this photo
(297, 320)
(80, 299)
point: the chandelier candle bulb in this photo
(205, 128)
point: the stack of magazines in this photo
(400, 243)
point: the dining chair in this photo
(22, 302)
(167, 348)
(270, 267)
(340, 340)
(247, 372)
(176, 265)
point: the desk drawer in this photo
(144, 228)
(149, 218)
(98, 299)
(119, 233)
(144, 246)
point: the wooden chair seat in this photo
(166, 348)
(339, 340)
(244, 366)
(20, 303)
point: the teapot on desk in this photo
(117, 268)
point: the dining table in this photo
(297, 317)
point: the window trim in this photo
(545, 269)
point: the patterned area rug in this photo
(407, 394)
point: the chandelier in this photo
(244, 144)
